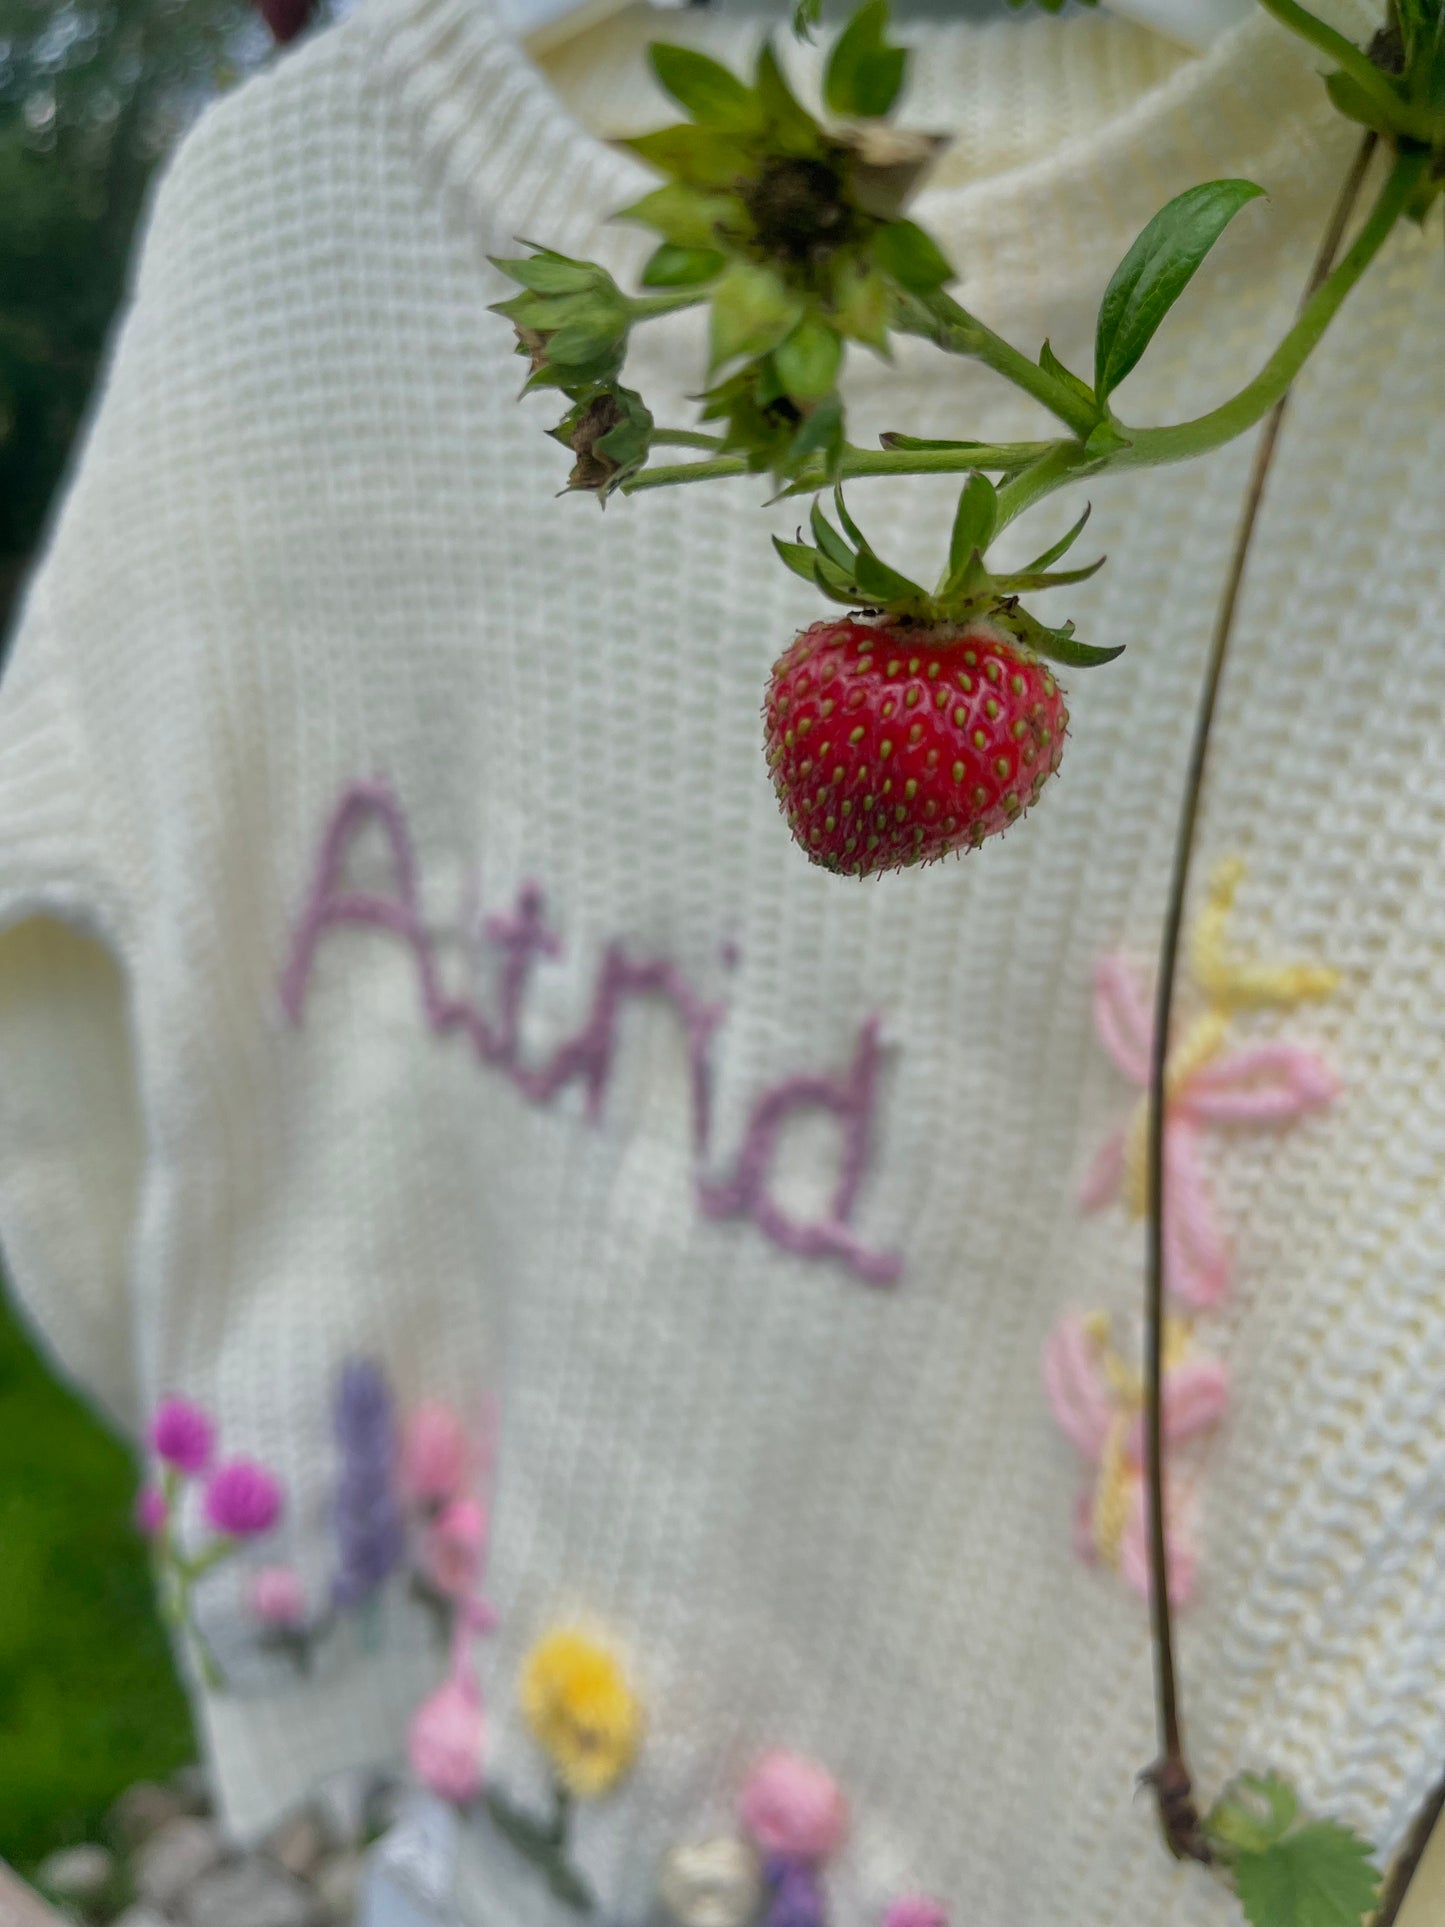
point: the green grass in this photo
(89, 1701)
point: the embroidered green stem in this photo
(1178, 1814)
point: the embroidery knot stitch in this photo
(523, 939)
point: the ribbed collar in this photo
(495, 134)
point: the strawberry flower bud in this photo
(610, 432)
(571, 319)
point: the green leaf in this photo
(821, 433)
(1027, 580)
(828, 539)
(549, 273)
(1104, 440)
(911, 258)
(751, 312)
(919, 444)
(1253, 1812)
(1358, 104)
(850, 528)
(806, 16)
(865, 75)
(700, 156)
(1064, 544)
(686, 216)
(705, 88)
(791, 127)
(809, 360)
(882, 584)
(1066, 378)
(796, 556)
(1318, 1876)
(1156, 271)
(860, 304)
(973, 524)
(674, 267)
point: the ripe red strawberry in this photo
(894, 742)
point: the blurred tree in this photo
(92, 94)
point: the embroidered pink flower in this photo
(435, 1454)
(915, 1910)
(455, 1546)
(791, 1807)
(182, 1434)
(278, 1599)
(242, 1499)
(1097, 1402)
(150, 1511)
(1207, 1085)
(444, 1744)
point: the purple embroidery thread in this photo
(523, 937)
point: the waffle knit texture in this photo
(312, 539)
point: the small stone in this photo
(250, 1893)
(297, 1844)
(173, 1859)
(338, 1884)
(143, 1809)
(193, 1786)
(76, 1873)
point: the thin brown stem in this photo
(1406, 1863)
(1178, 1814)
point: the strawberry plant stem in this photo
(1344, 53)
(1178, 1815)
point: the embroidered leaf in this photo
(865, 75)
(704, 87)
(1319, 1876)
(1157, 270)
(539, 1845)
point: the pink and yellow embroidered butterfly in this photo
(1208, 1084)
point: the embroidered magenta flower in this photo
(278, 1599)
(150, 1511)
(791, 1807)
(1206, 1085)
(444, 1744)
(242, 1499)
(1097, 1401)
(183, 1435)
(455, 1546)
(915, 1910)
(435, 1454)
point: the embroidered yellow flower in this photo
(585, 1716)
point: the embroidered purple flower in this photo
(278, 1599)
(242, 1499)
(793, 1809)
(183, 1435)
(435, 1455)
(795, 1894)
(366, 1512)
(915, 1910)
(150, 1511)
(444, 1744)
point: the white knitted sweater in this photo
(312, 542)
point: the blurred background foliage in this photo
(92, 97)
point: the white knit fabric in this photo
(311, 539)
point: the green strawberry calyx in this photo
(841, 562)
